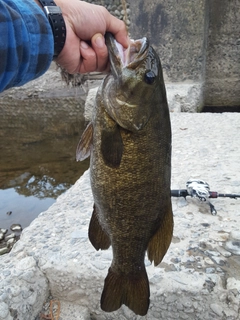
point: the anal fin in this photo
(97, 236)
(160, 241)
(129, 289)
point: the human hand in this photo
(85, 49)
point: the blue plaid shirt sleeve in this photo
(26, 42)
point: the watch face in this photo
(52, 10)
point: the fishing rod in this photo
(201, 190)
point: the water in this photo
(33, 175)
(15, 208)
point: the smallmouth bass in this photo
(129, 144)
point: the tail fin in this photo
(131, 290)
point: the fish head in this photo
(129, 91)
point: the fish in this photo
(129, 144)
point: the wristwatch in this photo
(54, 15)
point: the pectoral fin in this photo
(84, 146)
(159, 243)
(97, 236)
(112, 146)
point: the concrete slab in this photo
(199, 277)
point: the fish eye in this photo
(149, 77)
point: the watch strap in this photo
(54, 15)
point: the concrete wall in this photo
(198, 42)
(176, 30)
(222, 86)
(43, 108)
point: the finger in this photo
(100, 48)
(88, 57)
(119, 30)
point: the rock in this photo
(117, 13)
(233, 247)
(10, 236)
(10, 242)
(220, 261)
(210, 270)
(16, 227)
(224, 252)
(208, 261)
(3, 250)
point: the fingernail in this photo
(84, 45)
(99, 41)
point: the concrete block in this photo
(23, 287)
(196, 279)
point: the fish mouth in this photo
(126, 58)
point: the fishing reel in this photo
(200, 190)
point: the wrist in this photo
(55, 18)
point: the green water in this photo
(33, 175)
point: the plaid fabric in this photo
(26, 42)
